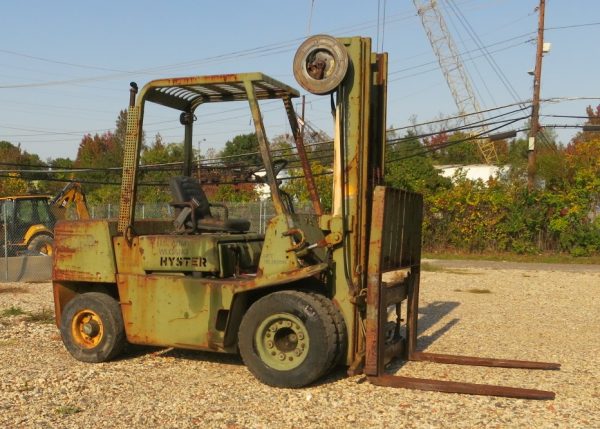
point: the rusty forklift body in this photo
(314, 291)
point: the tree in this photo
(243, 149)
(409, 168)
(57, 181)
(323, 180)
(20, 181)
(121, 128)
(158, 153)
(100, 152)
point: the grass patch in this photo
(67, 410)
(42, 316)
(46, 315)
(461, 272)
(428, 266)
(544, 258)
(13, 311)
(477, 290)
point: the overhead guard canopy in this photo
(187, 93)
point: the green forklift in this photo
(313, 292)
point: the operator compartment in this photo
(206, 255)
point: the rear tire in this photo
(288, 339)
(92, 327)
(43, 244)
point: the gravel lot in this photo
(510, 313)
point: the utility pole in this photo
(535, 109)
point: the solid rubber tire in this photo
(113, 339)
(318, 324)
(340, 329)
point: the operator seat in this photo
(193, 209)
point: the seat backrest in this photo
(185, 189)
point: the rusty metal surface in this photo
(458, 387)
(186, 93)
(394, 248)
(479, 361)
(84, 251)
(301, 150)
(264, 149)
(131, 154)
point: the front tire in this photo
(288, 339)
(92, 327)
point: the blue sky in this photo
(65, 66)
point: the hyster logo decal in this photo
(182, 261)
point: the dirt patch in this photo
(13, 289)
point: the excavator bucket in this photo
(393, 277)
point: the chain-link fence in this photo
(27, 230)
(26, 239)
(257, 212)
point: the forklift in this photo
(315, 291)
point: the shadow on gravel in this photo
(430, 315)
(134, 351)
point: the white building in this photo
(473, 172)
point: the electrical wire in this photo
(488, 56)
(452, 143)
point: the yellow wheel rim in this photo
(46, 249)
(87, 329)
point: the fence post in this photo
(259, 216)
(108, 214)
(5, 241)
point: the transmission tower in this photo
(313, 134)
(452, 66)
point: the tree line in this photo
(499, 214)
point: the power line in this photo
(562, 27)
(488, 56)
(452, 143)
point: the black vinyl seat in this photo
(194, 213)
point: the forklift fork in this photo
(395, 249)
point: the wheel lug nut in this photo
(297, 352)
(270, 344)
(281, 356)
(300, 336)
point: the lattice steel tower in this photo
(456, 76)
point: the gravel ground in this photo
(520, 314)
